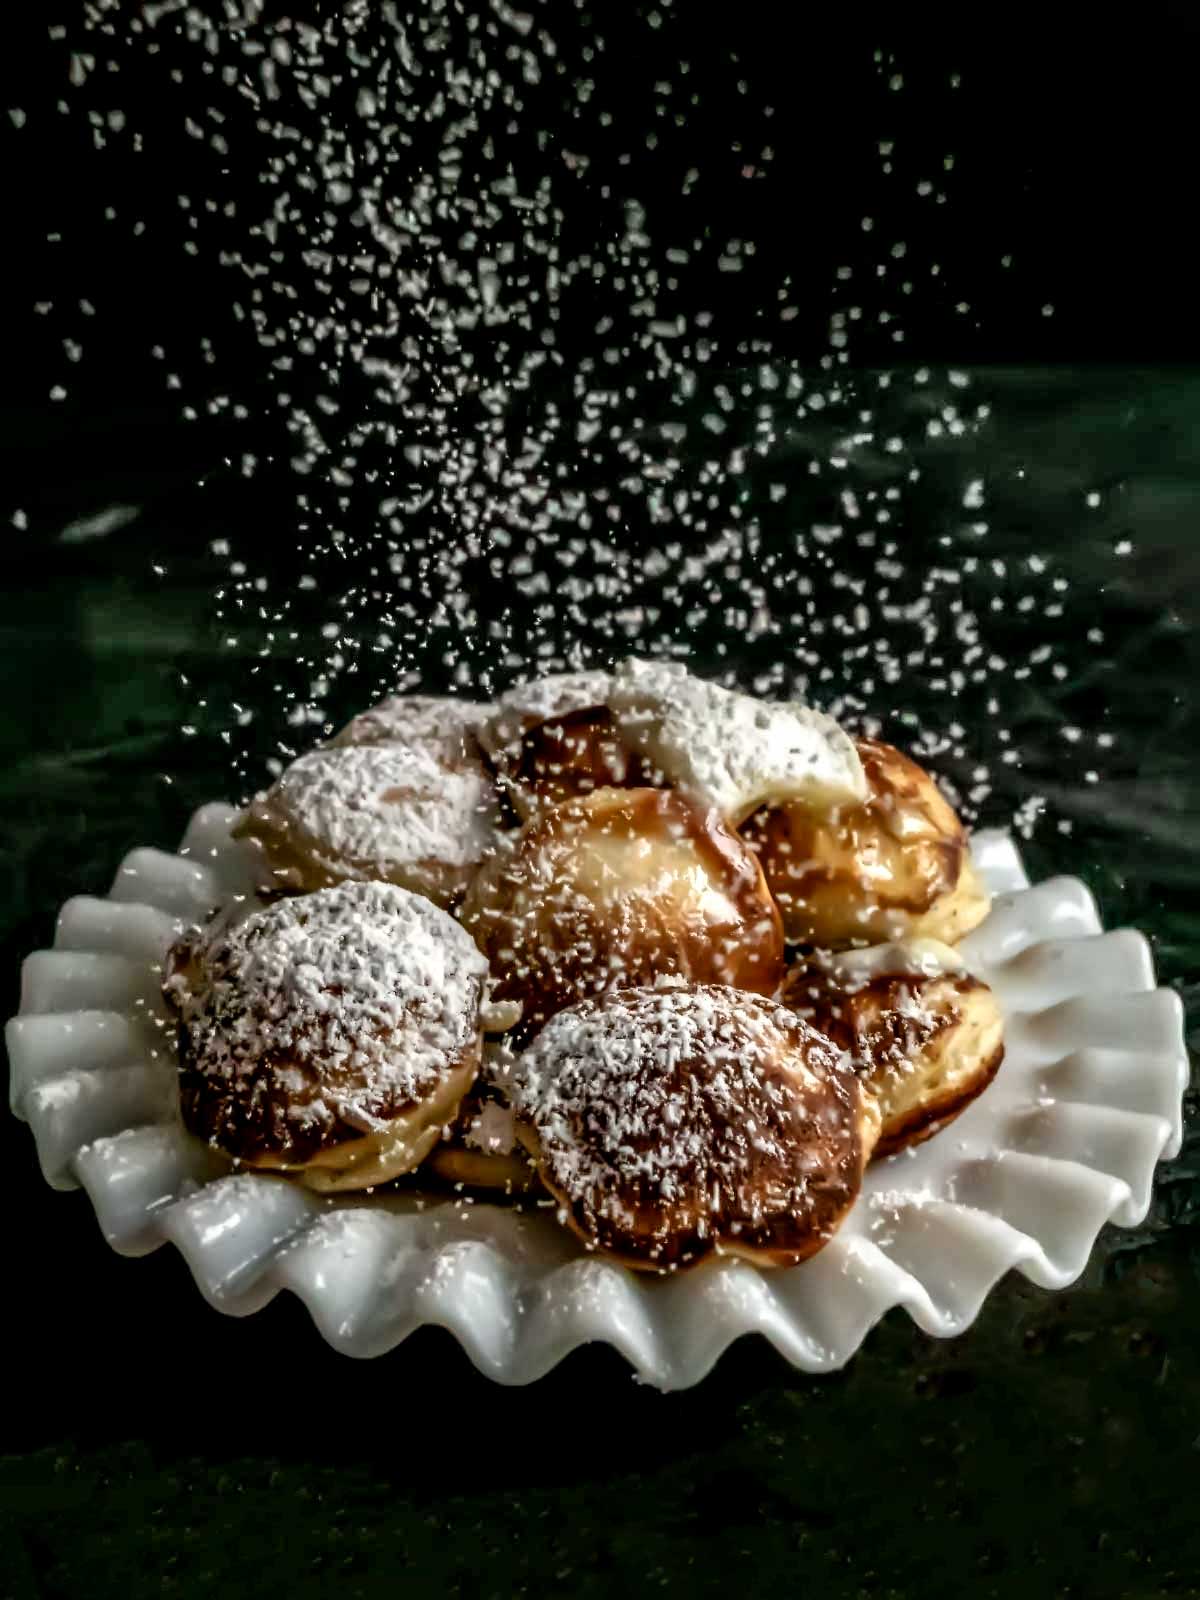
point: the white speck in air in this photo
(526, 418)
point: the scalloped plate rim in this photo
(645, 1345)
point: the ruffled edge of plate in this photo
(1066, 1139)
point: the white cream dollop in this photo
(730, 750)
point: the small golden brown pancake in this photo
(924, 1036)
(618, 888)
(388, 813)
(894, 866)
(673, 1122)
(332, 1035)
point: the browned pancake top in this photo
(321, 1018)
(837, 874)
(618, 888)
(883, 1023)
(671, 1121)
(576, 754)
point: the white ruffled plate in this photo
(1089, 1098)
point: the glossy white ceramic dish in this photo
(1066, 1139)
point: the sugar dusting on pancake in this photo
(322, 1016)
(377, 811)
(670, 1121)
(439, 721)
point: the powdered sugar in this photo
(342, 1007)
(436, 722)
(372, 807)
(492, 1130)
(669, 1116)
(527, 704)
(731, 750)
(556, 695)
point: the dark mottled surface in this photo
(149, 1446)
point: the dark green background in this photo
(152, 1443)
(150, 1446)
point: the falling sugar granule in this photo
(544, 386)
